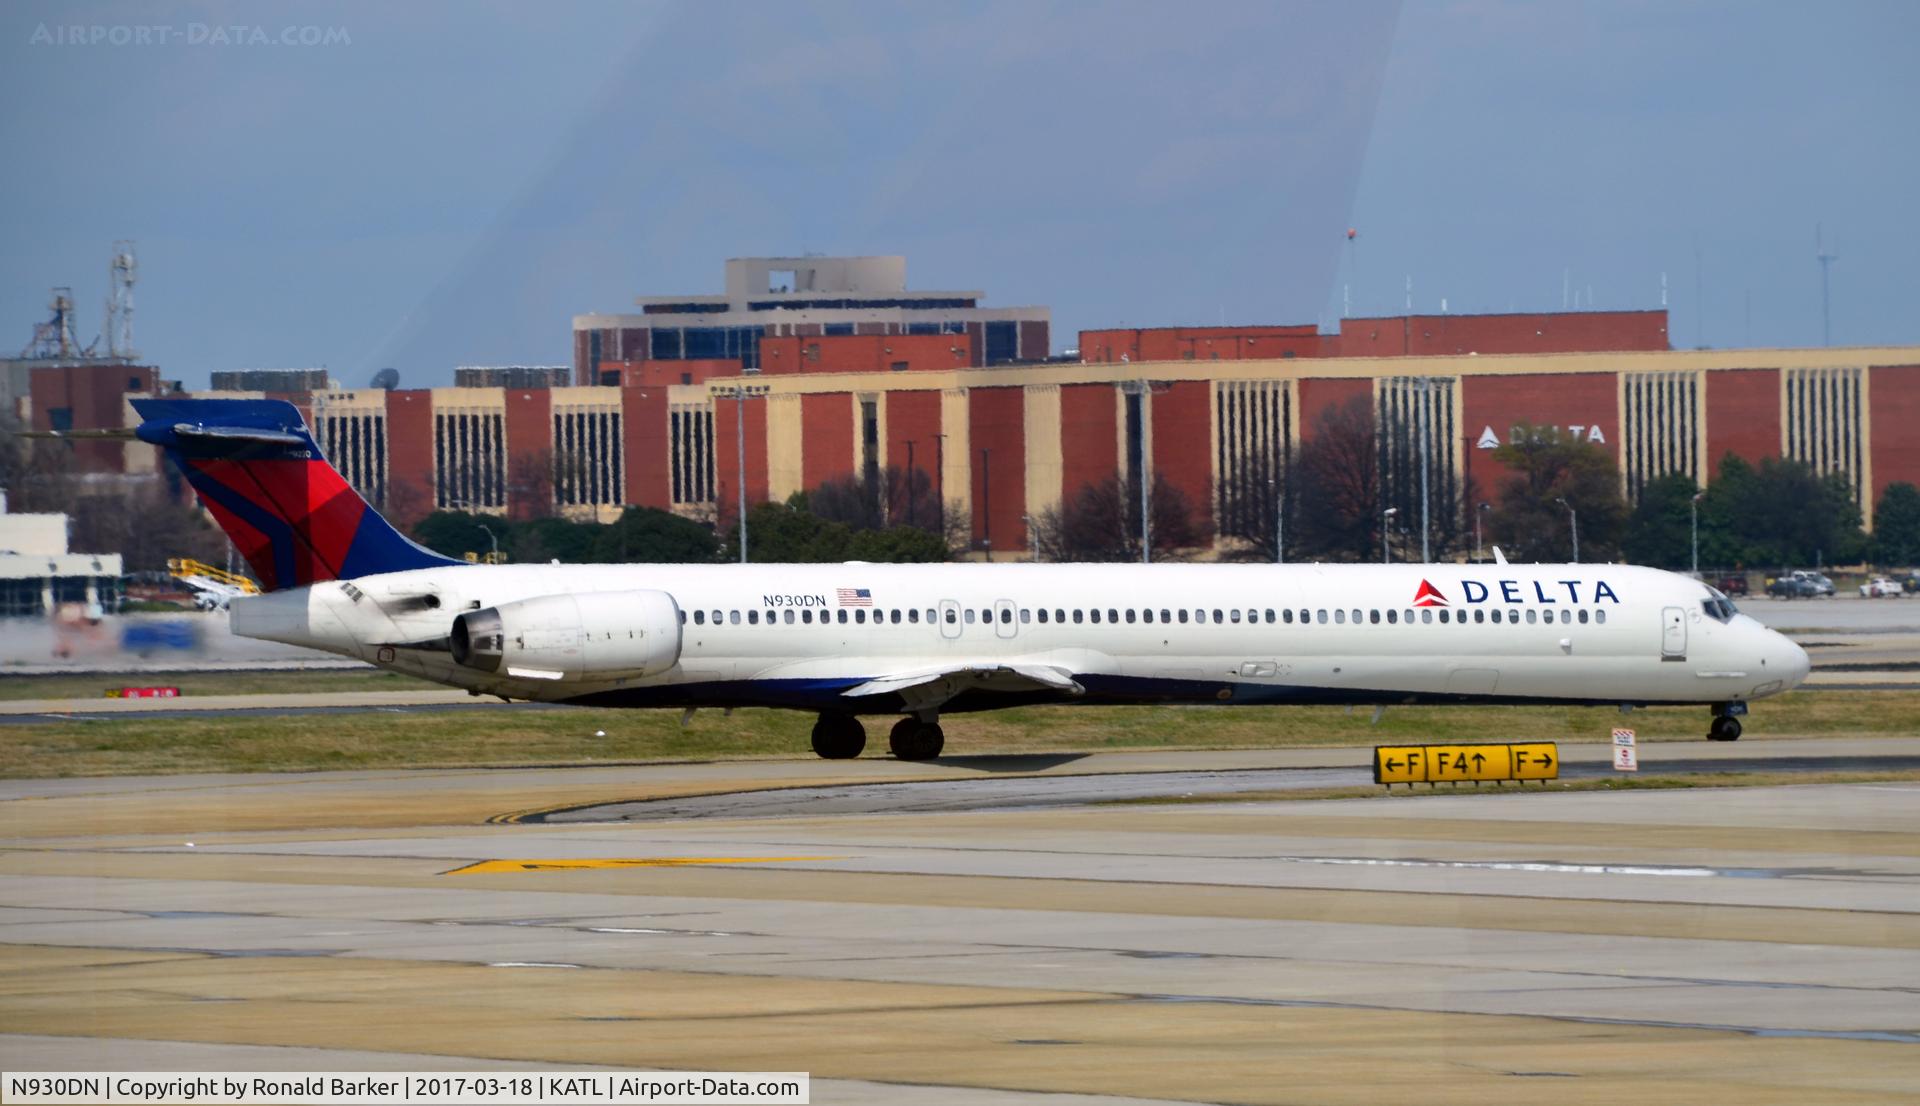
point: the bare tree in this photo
(1101, 522)
(1338, 486)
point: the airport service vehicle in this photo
(920, 641)
(1880, 587)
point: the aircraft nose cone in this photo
(1794, 662)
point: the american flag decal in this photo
(855, 597)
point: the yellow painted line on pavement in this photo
(620, 862)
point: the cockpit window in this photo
(1719, 607)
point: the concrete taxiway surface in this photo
(1757, 945)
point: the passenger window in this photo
(893, 616)
(1060, 615)
(1373, 617)
(753, 618)
(1479, 616)
(683, 618)
(1426, 616)
(1006, 617)
(1094, 614)
(842, 618)
(807, 616)
(1269, 615)
(1236, 615)
(1599, 616)
(1026, 616)
(969, 616)
(1216, 615)
(1130, 615)
(913, 614)
(1323, 617)
(789, 619)
(860, 616)
(986, 615)
(1356, 617)
(1583, 618)
(733, 618)
(949, 616)
(1443, 616)
(699, 618)
(1113, 615)
(1183, 615)
(1043, 615)
(1166, 615)
(1076, 616)
(1532, 616)
(1340, 616)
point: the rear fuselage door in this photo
(1673, 634)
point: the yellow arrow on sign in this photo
(623, 862)
(1411, 764)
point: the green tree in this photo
(1896, 525)
(457, 533)
(1779, 513)
(1659, 532)
(1552, 472)
(649, 535)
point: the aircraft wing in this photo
(927, 688)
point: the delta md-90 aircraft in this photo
(919, 641)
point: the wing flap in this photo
(928, 687)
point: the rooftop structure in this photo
(804, 297)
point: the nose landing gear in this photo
(1726, 722)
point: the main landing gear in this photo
(839, 736)
(914, 739)
(1726, 722)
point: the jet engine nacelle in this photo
(603, 634)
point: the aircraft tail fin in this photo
(290, 514)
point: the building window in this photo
(690, 455)
(1825, 410)
(587, 453)
(355, 443)
(470, 460)
(1255, 439)
(1661, 429)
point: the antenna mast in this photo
(122, 271)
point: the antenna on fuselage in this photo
(1499, 558)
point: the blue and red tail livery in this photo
(288, 512)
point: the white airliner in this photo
(919, 641)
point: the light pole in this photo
(986, 501)
(493, 558)
(1143, 389)
(1420, 388)
(1279, 522)
(909, 483)
(1477, 514)
(1386, 522)
(1573, 521)
(739, 392)
(1693, 511)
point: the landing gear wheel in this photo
(913, 739)
(839, 736)
(1724, 728)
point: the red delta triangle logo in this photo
(1428, 596)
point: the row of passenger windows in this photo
(1166, 616)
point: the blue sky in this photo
(454, 181)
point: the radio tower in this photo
(122, 271)
(1826, 261)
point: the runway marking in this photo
(620, 862)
